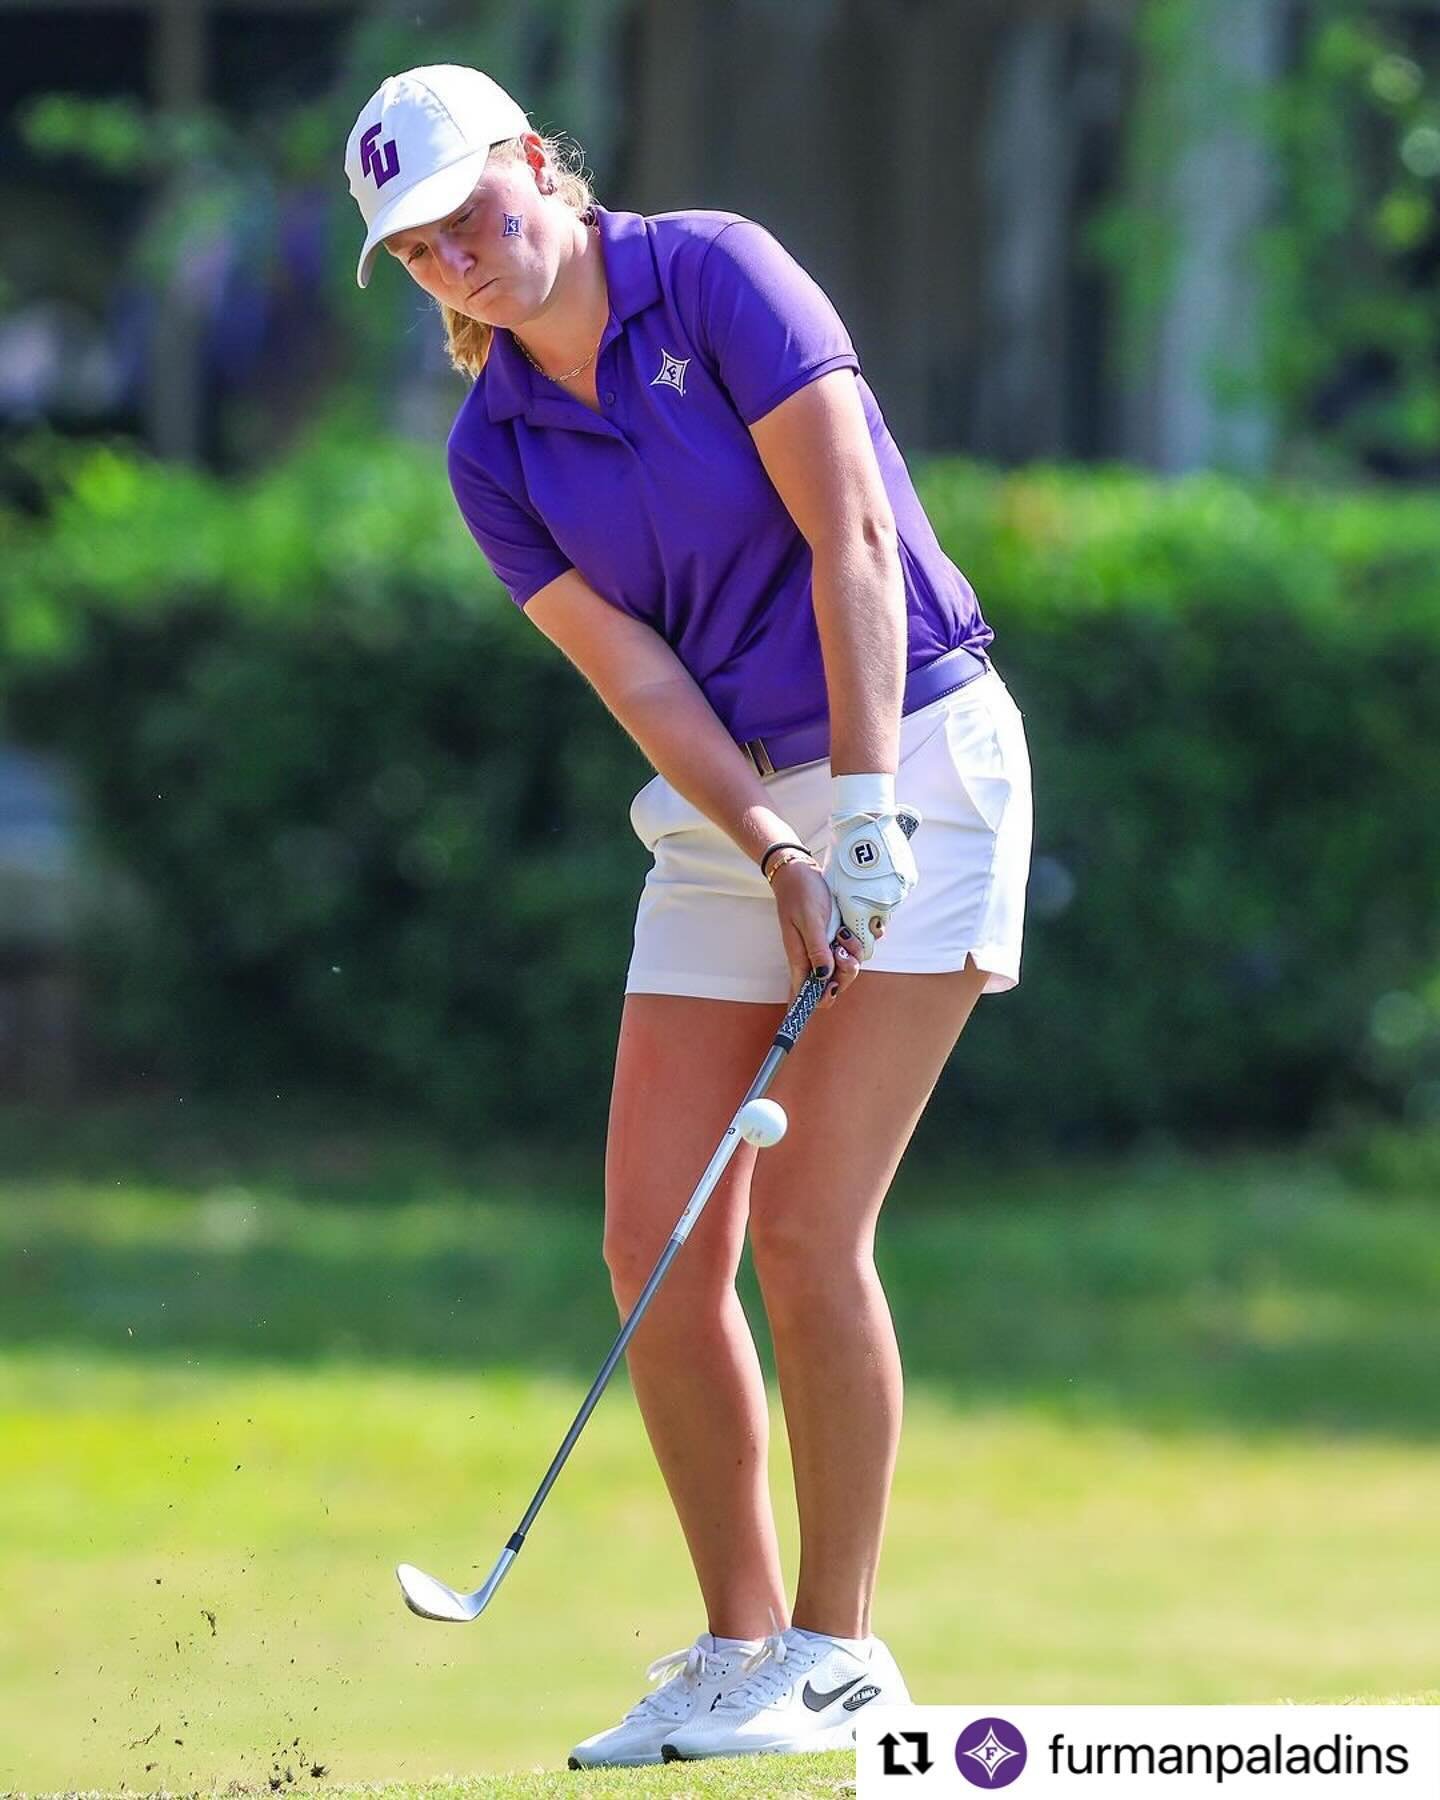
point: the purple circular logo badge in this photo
(990, 1753)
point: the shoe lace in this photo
(763, 1678)
(676, 1672)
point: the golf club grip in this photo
(801, 1007)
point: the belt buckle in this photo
(759, 757)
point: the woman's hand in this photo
(871, 869)
(806, 907)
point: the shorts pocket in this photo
(657, 810)
(918, 730)
(987, 751)
(642, 812)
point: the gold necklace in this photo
(569, 374)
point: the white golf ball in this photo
(762, 1122)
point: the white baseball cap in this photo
(419, 145)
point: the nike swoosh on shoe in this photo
(818, 1702)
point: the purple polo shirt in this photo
(660, 500)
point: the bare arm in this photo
(817, 451)
(652, 694)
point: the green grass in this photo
(827, 1777)
(1173, 1435)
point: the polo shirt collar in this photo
(629, 262)
(633, 282)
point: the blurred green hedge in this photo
(379, 826)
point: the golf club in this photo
(758, 1121)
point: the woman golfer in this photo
(670, 459)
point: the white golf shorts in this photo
(707, 924)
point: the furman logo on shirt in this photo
(672, 372)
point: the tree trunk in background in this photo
(920, 245)
(178, 68)
(1216, 191)
(1027, 170)
(668, 125)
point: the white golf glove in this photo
(870, 867)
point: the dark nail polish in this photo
(834, 988)
(820, 971)
(844, 932)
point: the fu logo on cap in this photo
(379, 164)
(672, 372)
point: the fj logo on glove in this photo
(865, 853)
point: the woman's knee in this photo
(700, 1279)
(799, 1265)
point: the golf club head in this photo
(432, 1599)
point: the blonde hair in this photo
(466, 339)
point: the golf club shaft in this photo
(791, 1026)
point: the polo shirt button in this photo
(609, 396)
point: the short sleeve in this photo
(769, 326)
(516, 544)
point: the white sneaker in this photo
(801, 1693)
(691, 1682)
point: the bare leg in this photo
(855, 1089)
(681, 1069)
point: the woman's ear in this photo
(539, 162)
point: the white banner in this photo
(1349, 1752)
